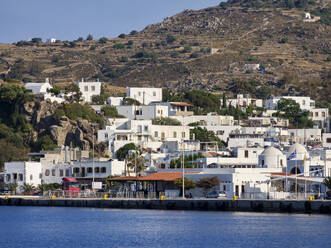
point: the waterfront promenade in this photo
(279, 206)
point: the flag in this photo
(304, 160)
(292, 155)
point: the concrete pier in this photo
(276, 206)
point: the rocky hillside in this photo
(206, 49)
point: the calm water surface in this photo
(88, 227)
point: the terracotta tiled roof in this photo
(158, 176)
(181, 104)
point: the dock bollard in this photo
(53, 197)
(105, 197)
(162, 197)
(311, 198)
(235, 198)
(6, 197)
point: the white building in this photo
(304, 101)
(53, 173)
(272, 158)
(115, 101)
(304, 136)
(243, 101)
(148, 112)
(326, 137)
(102, 169)
(89, 89)
(42, 89)
(320, 116)
(22, 172)
(206, 120)
(144, 95)
(177, 108)
(51, 40)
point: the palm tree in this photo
(12, 188)
(28, 188)
(136, 161)
(43, 187)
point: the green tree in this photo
(12, 188)
(89, 37)
(188, 184)
(130, 101)
(223, 101)
(208, 183)
(203, 135)
(73, 92)
(45, 143)
(28, 188)
(111, 112)
(122, 152)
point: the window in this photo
(281, 162)
(139, 137)
(31, 177)
(8, 177)
(15, 176)
(323, 114)
(262, 162)
(139, 93)
(20, 177)
(106, 135)
(40, 176)
(139, 128)
(316, 114)
(92, 88)
(303, 102)
(76, 170)
(158, 111)
(103, 169)
(61, 173)
(328, 140)
(96, 169)
(156, 134)
(47, 172)
(175, 134)
(67, 172)
(53, 172)
(85, 88)
(183, 134)
(224, 187)
(154, 93)
(89, 170)
(146, 128)
(246, 153)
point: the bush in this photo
(119, 46)
(89, 37)
(124, 59)
(187, 49)
(133, 32)
(122, 36)
(103, 40)
(166, 121)
(111, 112)
(283, 40)
(45, 143)
(170, 39)
(130, 43)
(75, 111)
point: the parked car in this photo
(216, 194)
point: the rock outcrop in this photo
(63, 131)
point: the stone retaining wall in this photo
(279, 206)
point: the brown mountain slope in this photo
(177, 53)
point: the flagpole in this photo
(296, 178)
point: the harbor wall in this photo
(279, 206)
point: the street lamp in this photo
(183, 164)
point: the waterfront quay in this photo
(246, 205)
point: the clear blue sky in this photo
(69, 19)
